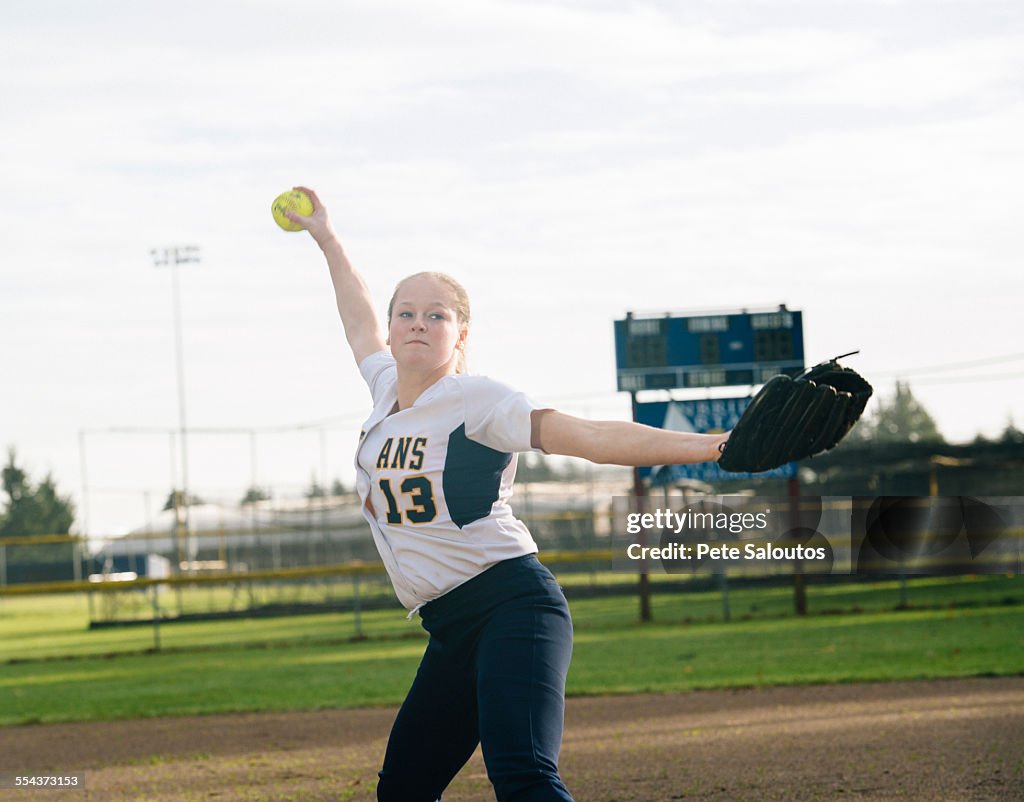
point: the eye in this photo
(439, 316)
(405, 314)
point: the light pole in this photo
(173, 257)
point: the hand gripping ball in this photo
(291, 201)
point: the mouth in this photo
(416, 342)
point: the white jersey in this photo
(435, 478)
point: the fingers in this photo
(312, 196)
(317, 222)
(305, 220)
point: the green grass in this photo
(751, 602)
(956, 627)
(39, 627)
(877, 646)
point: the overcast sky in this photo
(567, 161)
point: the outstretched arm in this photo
(355, 305)
(621, 442)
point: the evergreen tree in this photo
(32, 509)
(535, 468)
(899, 418)
(1011, 434)
(172, 500)
(254, 494)
(315, 489)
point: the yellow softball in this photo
(291, 201)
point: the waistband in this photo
(505, 580)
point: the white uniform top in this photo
(435, 478)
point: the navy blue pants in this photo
(493, 673)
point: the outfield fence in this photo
(324, 560)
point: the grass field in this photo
(55, 669)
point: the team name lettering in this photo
(403, 453)
(418, 445)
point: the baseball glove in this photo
(790, 419)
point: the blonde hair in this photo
(460, 303)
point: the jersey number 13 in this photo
(421, 508)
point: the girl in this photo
(435, 466)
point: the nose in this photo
(419, 324)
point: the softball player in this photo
(435, 466)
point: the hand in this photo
(318, 224)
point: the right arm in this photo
(355, 305)
(620, 442)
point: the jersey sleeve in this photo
(496, 415)
(379, 373)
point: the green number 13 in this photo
(421, 509)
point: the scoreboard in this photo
(714, 350)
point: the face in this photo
(425, 333)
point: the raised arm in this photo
(621, 442)
(355, 305)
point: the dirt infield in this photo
(944, 740)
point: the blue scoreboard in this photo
(714, 350)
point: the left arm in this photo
(620, 442)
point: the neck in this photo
(411, 384)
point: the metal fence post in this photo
(356, 606)
(156, 618)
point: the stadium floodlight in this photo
(173, 257)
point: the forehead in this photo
(424, 290)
